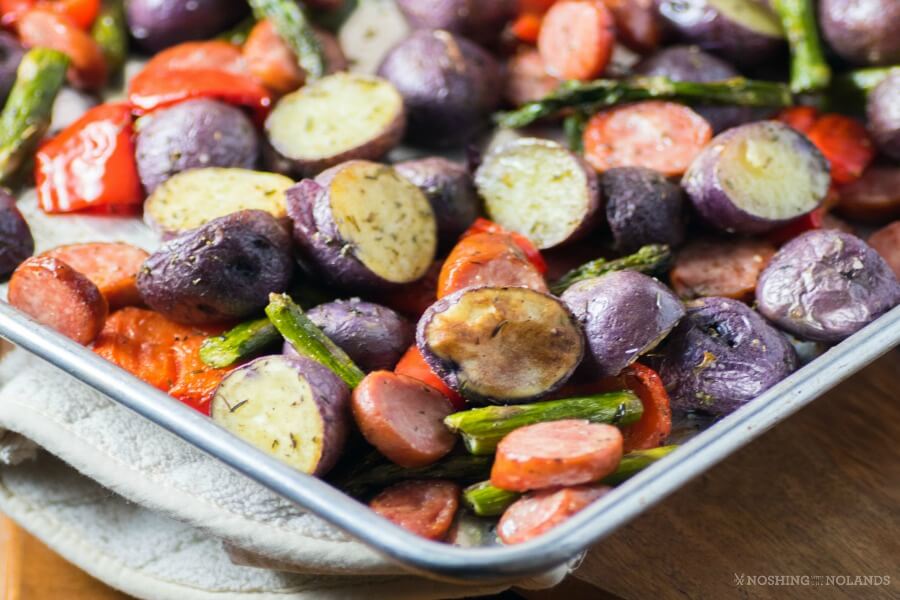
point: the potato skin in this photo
(222, 271)
(450, 191)
(883, 112)
(642, 207)
(721, 356)
(16, 241)
(449, 86)
(862, 31)
(826, 285)
(194, 134)
(158, 24)
(11, 53)
(623, 314)
(374, 336)
(479, 20)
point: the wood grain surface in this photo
(817, 495)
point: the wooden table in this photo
(818, 495)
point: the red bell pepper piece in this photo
(90, 164)
(801, 118)
(845, 143)
(482, 225)
(807, 222)
(526, 27)
(81, 12)
(48, 29)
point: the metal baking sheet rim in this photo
(442, 561)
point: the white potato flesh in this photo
(386, 221)
(272, 406)
(773, 175)
(191, 198)
(750, 14)
(536, 188)
(334, 115)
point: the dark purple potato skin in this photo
(11, 53)
(826, 285)
(158, 24)
(16, 242)
(623, 314)
(883, 112)
(222, 271)
(697, 22)
(450, 191)
(449, 86)
(193, 135)
(479, 20)
(642, 207)
(374, 336)
(709, 197)
(722, 355)
(862, 31)
(690, 63)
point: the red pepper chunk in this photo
(482, 225)
(81, 12)
(90, 164)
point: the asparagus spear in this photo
(293, 324)
(649, 259)
(26, 116)
(296, 31)
(573, 127)
(809, 71)
(238, 34)
(110, 31)
(483, 428)
(373, 473)
(591, 96)
(238, 343)
(486, 500)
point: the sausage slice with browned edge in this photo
(556, 453)
(403, 418)
(539, 512)
(426, 508)
(718, 267)
(60, 297)
(112, 266)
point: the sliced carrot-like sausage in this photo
(425, 508)
(874, 197)
(801, 118)
(662, 136)
(527, 27)
(112, 266)
(527, 79)
(577, 38)
(637, 23)
(271, 60)
(886, 242)
(555, 453)
(403, 418)
(488, 259)
(539, 512)
(413, 364)
(58, 296)
(726, 267)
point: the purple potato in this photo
(362, 226)
(624, 314)
(193, 135)
(722, 355)
(690, 63)
(449, 86)
(883, 111)
(219, 272)
(374, 336)
(740, 31)
(642, 207)
(757, 177)
(16, 242)
(158, 24)
(450, 191)
(862, 31)
(11, 53)
(292, 408)
(480, 20)
(501, 345)
(826, 285)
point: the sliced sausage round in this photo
(718, 267)
(539, 512)
(112, 266)
(425, 508)
(403, 418)
(556, 453)
(886, 242)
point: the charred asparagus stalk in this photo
(486, 500)
(649, 259)
(296, 31)
(110, 31)
(592, 96)
(293, 324)
(375, 474)
(483, 428)
(238, 343)
(809, 71)
(26, 116)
